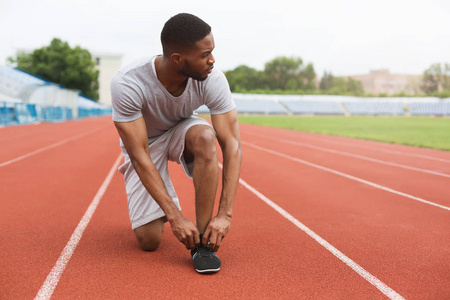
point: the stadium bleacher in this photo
(255, 104)
(339, 105)
(314, 107)
(425, 109)
(25, 98)
(259, 107)
(368, 107)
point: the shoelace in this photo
(202, 251)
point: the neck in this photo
(167, 74)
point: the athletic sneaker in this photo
(205, 261)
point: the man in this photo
(153, 110)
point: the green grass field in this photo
(425, 132)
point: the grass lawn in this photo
(425, 132)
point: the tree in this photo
(286, 73)
(244, 78)
(340, 85)
(308, 77)
(354, 87)
(326, 81)
(72, 68)
(436, 78)
(280, 75)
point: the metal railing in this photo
(25, 113)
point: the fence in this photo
(24, 113)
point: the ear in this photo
(176, 58)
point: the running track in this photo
(316, 217)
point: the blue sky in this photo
(345, 37)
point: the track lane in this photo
(24, 139)
(382, 232)
(427, 186)
(414, 156)
(44, 198)
(288, 264)
(436, 168)
(47, 289)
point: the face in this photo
(199, 61)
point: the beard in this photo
(188, 71)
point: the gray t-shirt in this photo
(136, 91)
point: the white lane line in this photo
(346, 175)
(342, 143)
(52, 280)
(49, 147)
(356, 156)
(390, 293)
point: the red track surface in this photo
(366, 199)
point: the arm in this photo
(134, 138)
(227, 129)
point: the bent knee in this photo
(149, 235)
(205, 144)
(149, 244)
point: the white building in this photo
(107, 64)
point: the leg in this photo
(149, 235)
(145, 214)
(201, 149)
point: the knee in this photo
(205, 145)
(149, 243)
(149, 235)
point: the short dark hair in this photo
(182, 31)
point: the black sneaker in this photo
(205, 261)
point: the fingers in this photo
(216, 247)
(186, 243)
(206, 235)
(191, 243)
(217, 241)
(197, 238)
(184, 239)
(189, 240)
(187, 233)
(211, 236)
(214, 238)
(215, 232)
(194, 238)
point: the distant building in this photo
(382, 81)
(107, 64)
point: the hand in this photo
(185, 231)
(216, 231)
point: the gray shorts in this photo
(142, 208)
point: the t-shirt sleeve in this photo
(126, 99)
(217, 94)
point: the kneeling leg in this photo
(149, 235)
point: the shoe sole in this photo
(207, 271)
